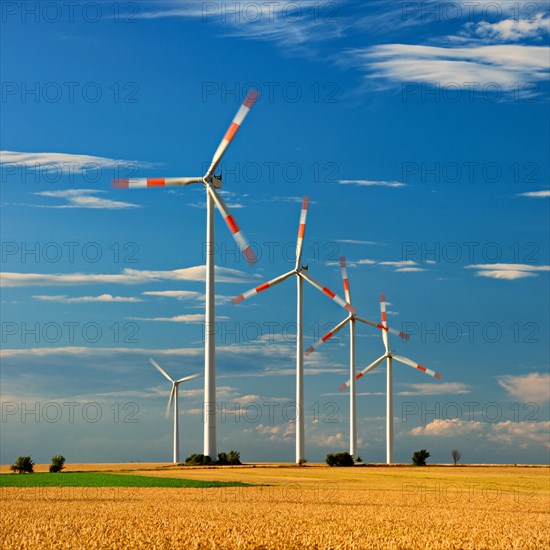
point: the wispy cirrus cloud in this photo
(284, 23)
(126, 277)
(188, 318)
(67, 162)
(401, 266)
(437, 389)
(470, 65)
(102, 298)
(509, 272)
(372, 183)
(536, 194)
(82, 198)
(355, 241)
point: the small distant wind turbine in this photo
(351, 319)
(301, 273)
(174, 398)
(389, 355)
(211, 182)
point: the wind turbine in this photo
(211, 182)
(174, 397)
(351, 319)
(389, 356)
(301, 273)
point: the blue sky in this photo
(419, 132)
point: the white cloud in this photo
(126, 277)
(188, 295)
(82, 198)
(535, 194)
(67, 162)
(189, 318)
(179, 294)
(354, 241)
(533, 387)
(288, 24)
(513, 434)
(437, 389)
(508, 272)
(372, 183)
(448, 428)
(104, 298)
(470, 67)
(509, 30)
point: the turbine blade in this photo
(170, 399)
(414, 365)
(262, 287)
(327, 336)
(238, 235)
(328, 292)
(142, 183)
(301, 231)
(250, 99)
(363, 372)
(384, 324)
(186, 378)
(345, 280)
(159, 368)
(367, 322)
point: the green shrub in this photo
(198, 460)
(302, 461)
(419, 457)
(339, 459)
(23, 464)
(58, 463)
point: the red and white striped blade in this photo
(170, 400)
(345, 280)
(381, 327)
(327, 336)
(328, 292)
(301, 231)
(414, 365)
(363, 372)
(238, 235)
(262, 287)
(143, 183)
(367, 322)
(160, 369)
(384, 324)
(250, 99)
(383, 313)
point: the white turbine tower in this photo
(211, 183)
(174, 397)
(389, 356)
(300, 272)
(351, 319)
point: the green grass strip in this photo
(101, 479)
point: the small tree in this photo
(23, 464)
(232, 458)
(58, 463)
(302, 461)
(339, 459)
(457, 455)
(419, 457)
(198, 460)
(358, 459)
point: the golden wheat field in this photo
(290, 507)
